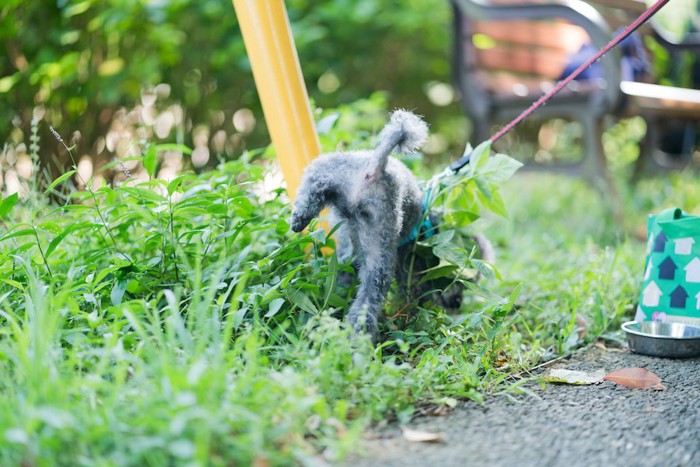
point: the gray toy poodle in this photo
(378, 203)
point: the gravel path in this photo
(564, 425)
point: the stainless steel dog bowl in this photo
(671, 340)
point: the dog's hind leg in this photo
(377, 265)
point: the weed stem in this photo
(41, 251)
(89, 189)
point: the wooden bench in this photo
(508, 53)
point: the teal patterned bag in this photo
(671, 285)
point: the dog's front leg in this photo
(313, 194)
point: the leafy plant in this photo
(181, 70)
(179, 320)
(201, 330)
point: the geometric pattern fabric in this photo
(671, 284)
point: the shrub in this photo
(174, 320)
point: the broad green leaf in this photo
(74, 207)
(485, 269)
(103, 273)
(118, 292)
(7, 204)
(239, 315)
(7, 82)
(175, 183)
(301, 300)
(478, 158)
(242, 206)
(290, 275)
(153, 262)
(319, 235)
(451, 253)
(217, 209)
(25, 247)
(274, 307)
(150, 160)
(189, 210)
(272, 293)
(59, 180)
(461, 218)
(76, 8)
(111, 67)
(174, 147)
(17, 233)
(484, 188)
(109, 194)
(70, 37)
(50, 227)
(439, 271)
(13, 283)
(59, 238)
(331, 278)
(513, 297)
(282, 226)
(140, 193)
(499, 168)
(496, 204)
(442, 237)
(327, 123)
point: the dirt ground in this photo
(562, 425)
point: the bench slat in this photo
(667, 100)
(538, 62)
(557, 35)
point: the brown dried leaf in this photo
(634, 378)
(417, 436)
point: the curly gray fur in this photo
(378, 201)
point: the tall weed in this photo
(180, 321)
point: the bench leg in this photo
(594, 166)
(645, 160)
(651, 157)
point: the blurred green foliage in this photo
(105, 72)
(78, 63)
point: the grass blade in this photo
(59, 180)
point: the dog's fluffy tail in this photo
(405, 131)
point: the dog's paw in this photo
(363, 321)
(298, 222)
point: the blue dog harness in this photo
(424, 228)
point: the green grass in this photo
(181, 322)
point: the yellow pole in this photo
(273, 57)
